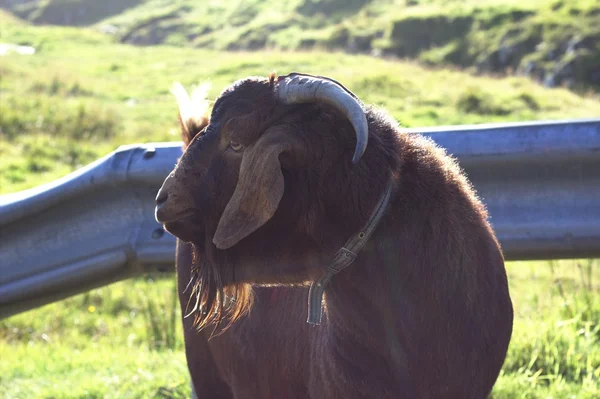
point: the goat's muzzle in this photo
(171, 204)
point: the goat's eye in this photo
(237, 147)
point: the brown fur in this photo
(425, 310)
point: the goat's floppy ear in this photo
(259, 189)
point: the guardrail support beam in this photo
(540, 182)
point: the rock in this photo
(549, 80)
(414, 34)
(9, 48)
(339, 38)
(376, 52)
(360, 44)
(512, 48)
(307, 43)
(109, 29)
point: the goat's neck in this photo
(357, 298)
(360, 322)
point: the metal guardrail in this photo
(540, 182)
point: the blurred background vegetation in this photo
(553, 41)
(80, 77)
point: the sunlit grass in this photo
(467, 34)
(106, 343)
(80, 96)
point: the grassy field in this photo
(124, 340)
(540, 38)
(81, 95)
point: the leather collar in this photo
(344, 258)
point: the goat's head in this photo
(261, 189)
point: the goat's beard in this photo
(216, 299)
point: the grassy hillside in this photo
(555, 42)
(81, 95)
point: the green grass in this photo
(81, 95)
(119, 341)
(107, 343)
(555, 350)
(471, 34)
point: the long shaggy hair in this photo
(214, 302)
(211, 301)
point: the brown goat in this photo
(263, 198)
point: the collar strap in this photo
(344, 258)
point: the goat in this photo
(290, 180)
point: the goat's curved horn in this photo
(300, 88)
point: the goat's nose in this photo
(162, 197)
